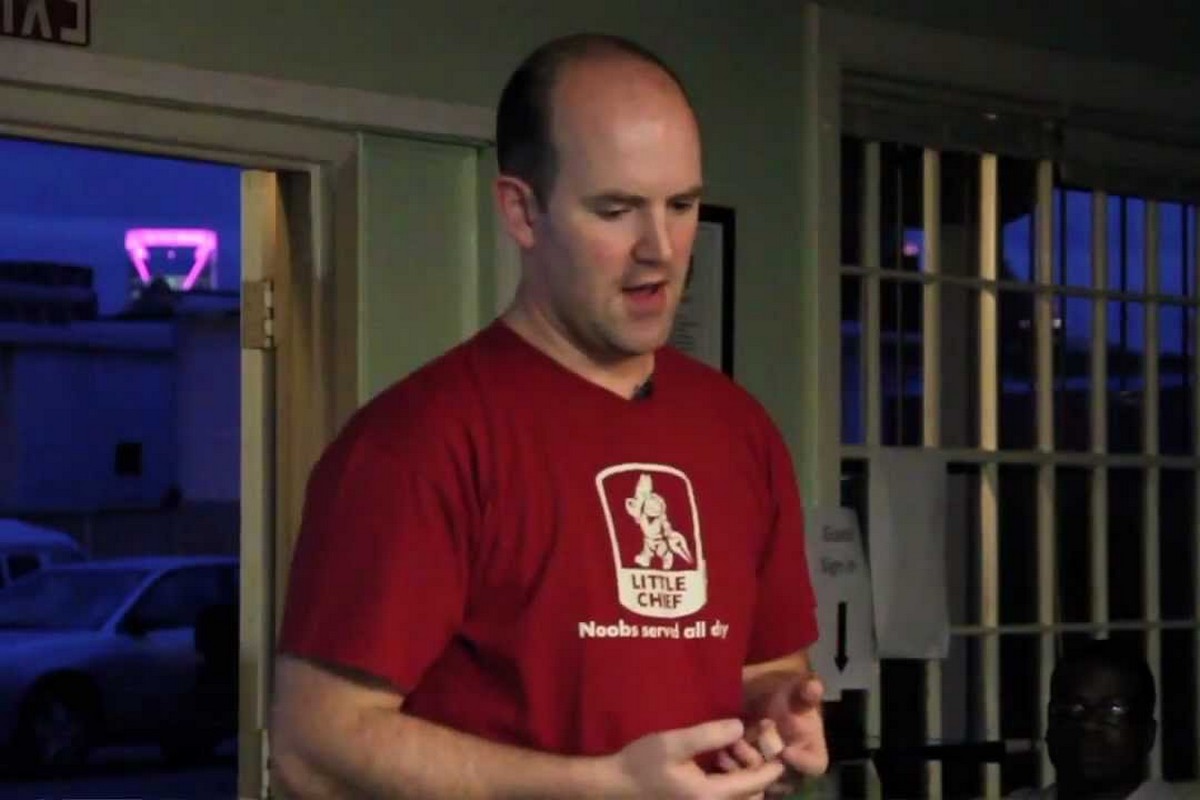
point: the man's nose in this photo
(654, 245)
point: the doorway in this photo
(280, 218)
(120, 436)
(300, 152)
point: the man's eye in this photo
(683, 205)
(612, 212)
(1070, 710)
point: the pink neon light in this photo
(138, 242)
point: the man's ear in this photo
(518, 209)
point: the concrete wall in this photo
(71, 408)
(208, 408)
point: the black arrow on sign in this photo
(840, 659)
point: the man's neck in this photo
(622, 376)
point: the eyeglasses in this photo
(1108, 712)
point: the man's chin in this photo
(640, 343)
(645, 348)
(1099, 773)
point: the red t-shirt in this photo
(532, 559)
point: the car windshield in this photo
(66, 599)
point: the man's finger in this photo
(726, 762)
(807, 760)
(686, 743)
(807, 692)
(746, 753)
(769, 742)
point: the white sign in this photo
(844, 656)
(907, 489)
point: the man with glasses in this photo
(1101, 727)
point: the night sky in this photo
(74, 204)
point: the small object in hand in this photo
(769, 743)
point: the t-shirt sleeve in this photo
(379, 572)
(785, 610)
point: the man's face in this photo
(612, 246)
(1098, 735)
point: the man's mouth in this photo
(645, 289)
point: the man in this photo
(562, 559)
(1101, 727)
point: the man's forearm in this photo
(393, 755)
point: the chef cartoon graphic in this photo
(654, 526)
(660, 541)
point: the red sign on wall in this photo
(58, 21)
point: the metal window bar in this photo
(872, 289)
(1044, 328)
(1062, 458)
(931, 224)
(1099, 403)
(1195, 370)
(989, 457)
(969, 282)
(1151, 611)
(989, 418)
(869, 346)
(1122, 257)
(896, 225)
(1062, 347)
(1058, 628)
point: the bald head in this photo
(567, 85)
(600, 184)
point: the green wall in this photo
(418, 250)
(739, 66)
(1159, 33)
(461, 50)
(742, 62)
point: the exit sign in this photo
(58, 21)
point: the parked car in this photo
(25, 548)
(132, 650)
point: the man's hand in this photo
(788, 693)
(788, 728)
(794, 705)
(663, 765)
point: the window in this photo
(128, 459)
(22, 564)
(1043, 336)
(177, 598)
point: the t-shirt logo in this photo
(655, 530)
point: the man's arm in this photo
(338, 737)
